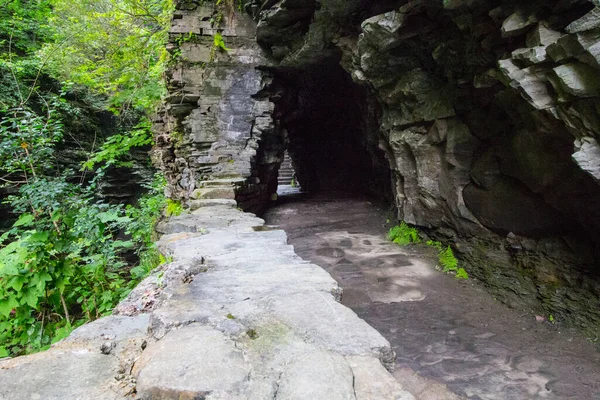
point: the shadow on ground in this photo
(451, 331)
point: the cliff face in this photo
(478, 119)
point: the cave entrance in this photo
(331, 129)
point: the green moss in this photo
(252, 334)
(230, 316)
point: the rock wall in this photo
(486, 111)
(217, 114)
(489, 117)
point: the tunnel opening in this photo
(330, 126)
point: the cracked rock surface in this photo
(235, 315)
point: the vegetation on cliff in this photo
(65, 259)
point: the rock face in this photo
(235, 315)
(215, 136)
(488, 115)
(478, 121)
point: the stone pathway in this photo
(234, 315)
(451, 331)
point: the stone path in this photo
(235, 315)
(447, 330)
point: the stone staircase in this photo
(286, 171)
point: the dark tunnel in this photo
(331, 126)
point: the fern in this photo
(461, 274)
(404, 235)
(447, 259)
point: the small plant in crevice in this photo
(404, 235)
(447, 260)
(252, 334)
(218, 45)
(174, 208)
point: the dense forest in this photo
(88, 74)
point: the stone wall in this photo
(215, 136)
(234, 315)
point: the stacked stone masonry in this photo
(215, 134)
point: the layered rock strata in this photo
(488, 114)
(215, 135)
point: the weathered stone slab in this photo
(194, 360)
(92, 363)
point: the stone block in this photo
(577, 79)
(214, 193)
(191, 362)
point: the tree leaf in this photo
(7, 305)
(24, 220)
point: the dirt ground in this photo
(441, 328)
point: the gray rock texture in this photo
(488, 116)
(235, 315)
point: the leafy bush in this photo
(404, 234)
(63, 262)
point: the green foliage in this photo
(404, 234)
(27, 141)
(447, 260)
(118, 146)
(115, 47)
(63, 262)
(60, 255)
(143, 220)
(218, 45)
(22, 27)
(461, 274)
(174, 208)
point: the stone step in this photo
(223, 182)
(217, 192)
(197, 204)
